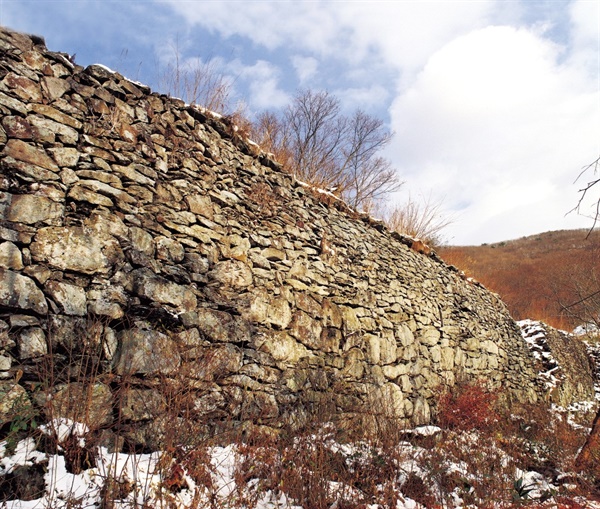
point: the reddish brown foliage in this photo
(467, 407)
(538, 276)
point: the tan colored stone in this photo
(17, 127)
(57, 115)
(109, 224)
(306, 303)
(54, 88)
(90, 404)
(22, 151)
(350, 319)
(231, 273)
(216, 362)
(169, 250)
(429, 336)
(77, 249)
(394, 371)
(404, 334)
(282, 347)
(387, 400)
(331, 314)
(14, 402)
(29, 209)
(32, 343)
(65, 156)
(13, 104)
(10, 256)
(306, 330)
(80, 193)
(65, 133)
(201, 205)
(133, 174)
(25, 88)
(141, 404)
(421, 412)
(69, 297)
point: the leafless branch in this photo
(329, 150)
(595, 166)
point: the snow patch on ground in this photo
(534, 334)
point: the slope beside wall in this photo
(144, 240)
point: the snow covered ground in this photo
(122, 481)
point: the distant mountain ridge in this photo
(542, 276)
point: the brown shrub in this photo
(467, 407)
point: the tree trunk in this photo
(589, 456)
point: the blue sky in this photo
(495, 104)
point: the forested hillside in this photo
(551, 276)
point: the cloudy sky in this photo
(495, 104)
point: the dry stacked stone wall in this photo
(144, 241)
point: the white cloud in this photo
(309, 25)
(365, 98)
(263, 83)
(498, 127)
(306, 68)
(585, 30)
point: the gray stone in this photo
(90, 404)
(32, 344)
(158, 289)
(14, 403)
(146, 352)
(21, 292)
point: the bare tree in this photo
(316, 134)
(588, 458)
(270, 132)
(197, 82)
(581, 278)
(595, 167)
(323, 147)
(367, 176)
(424, 221)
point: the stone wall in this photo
(145, 240)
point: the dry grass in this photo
(478, 455)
